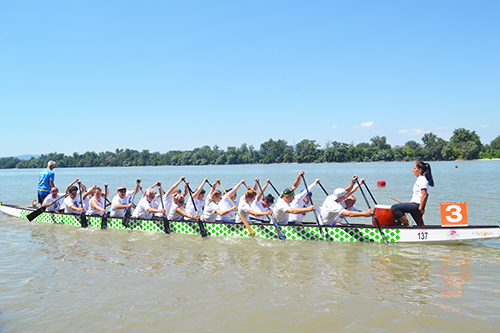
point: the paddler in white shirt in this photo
(147, 205)
(302, 200)
(177, 212)
(121, 201)
(245, 209)
(72, 204)
(225, 203)
(54, 201)
(348, 204)
(242, 199)
(168, 197)
(333, 208)
(97, 206)
(282, 209)
(211, 210)
(198, 197)
(261, 203)
(87, 195)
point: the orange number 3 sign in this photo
(453, 214)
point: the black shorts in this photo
(41, 197)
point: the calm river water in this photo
(56, 278)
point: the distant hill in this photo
(27, 157)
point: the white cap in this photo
(339, 192)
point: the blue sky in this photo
(175, 75)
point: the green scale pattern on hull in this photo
(341, 234)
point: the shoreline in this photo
(255, 164)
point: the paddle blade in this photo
(126, 218)
(33, 215)
(249, 228)
(83, 220)
(374, 217)
(279, 232)
(104, 221)
(166, 225)
(203, 231)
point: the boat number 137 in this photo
(422, 235)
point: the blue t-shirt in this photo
(46, 175)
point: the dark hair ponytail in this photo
(426, 171)
(269, 199)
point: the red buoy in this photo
(456, 166)
(381, 183)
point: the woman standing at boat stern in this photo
(416, 206)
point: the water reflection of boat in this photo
(309, 231)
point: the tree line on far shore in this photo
(463, 144)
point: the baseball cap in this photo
(339, 192)
(288, 191)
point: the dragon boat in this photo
(308, 231)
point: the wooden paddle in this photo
(128, 212)
(36, 213)
(83, 217)
(373, 215)
(413, 220)
(203, 231)
(104, 221)
(395, 199)
(311, 199)
(249, 228)
(279, 232)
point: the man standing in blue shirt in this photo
(46, 181)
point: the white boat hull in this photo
(353, 233)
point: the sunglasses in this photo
(122, 190)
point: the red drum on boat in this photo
(381, 183)
(384, 216)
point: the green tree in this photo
(414, 150)
(492, 150)
(467, 151)
(449, 152)
(383, 155)
(335, 152)
(363, 145)
(231, 155)
(433, 146)
(274, 151)
(306, 151)
(495, 144)
(380, 142)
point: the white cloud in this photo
(417, 131)
(440, 128)
(334, 126)
(367, 124)
(485, 126)
(413, 132)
